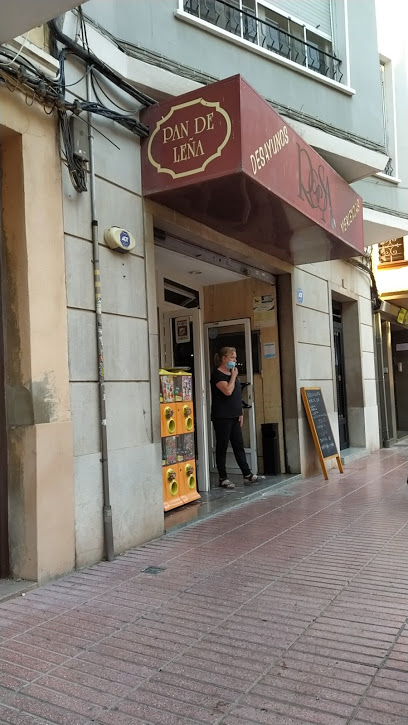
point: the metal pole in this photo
(107, 510)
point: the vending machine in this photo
(177, 433)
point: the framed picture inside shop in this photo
(182, 329)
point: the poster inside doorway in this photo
(269, 350)
(264, 311)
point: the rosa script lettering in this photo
(314, 187)
(189, 133)
(269, 149)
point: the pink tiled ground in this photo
(290, 610)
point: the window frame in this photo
(341, 86)
(389, 117)
(297, 20)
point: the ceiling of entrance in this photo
(191, 272)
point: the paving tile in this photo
(154, 716)
(62, 700)
(374, 717)
(99, 684)
(284, 611)
(145, 699)
(38, 653)
(16, 717)
(285, 688)
(257, 710)
(43, 709)
(116, 664)
(117, 718)
(197, 693)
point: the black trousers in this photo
(226, 430)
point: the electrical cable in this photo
(51, 94)
(20, 73)
(124, 110)
(23, 45)
(90, 59)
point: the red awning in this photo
(222, 156)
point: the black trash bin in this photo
(270, 448)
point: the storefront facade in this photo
(242, 233)
(278, 205)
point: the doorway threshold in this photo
(11, 588)
(219, 499)
(348, 455)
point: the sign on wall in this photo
(224, 157)
(264, 311)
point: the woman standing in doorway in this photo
(226, 415)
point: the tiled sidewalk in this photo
(290, 610)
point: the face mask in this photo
(231, 364)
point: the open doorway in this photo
(202, 307)
(399, 342)
(181, 282)
(236, 334)
(340, 374)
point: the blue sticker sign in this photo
(300, 296)
(124, 239)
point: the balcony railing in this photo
(389, 169)
(246, 25)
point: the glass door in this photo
(234, 333)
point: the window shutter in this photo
(313, 12)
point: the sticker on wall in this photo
(269, 350)
(264, 311)
(300, 296)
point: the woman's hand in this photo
(241, 420)
(228, 388)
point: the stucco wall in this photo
(392, 18)
(155, 27)
(41, 512)
(320, 283)
(129, 315)
(131, 364)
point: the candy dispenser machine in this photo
(177, 432)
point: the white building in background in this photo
(387, 196)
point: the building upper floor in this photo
(336, 70)
(314, 60)
(388, 193)
(19, 16)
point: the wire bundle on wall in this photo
(18, 73)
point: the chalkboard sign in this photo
(320, 426)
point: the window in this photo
(308, 44)
(180, 295)
(391, 251)
(388, 109)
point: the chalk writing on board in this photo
(321, 422)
